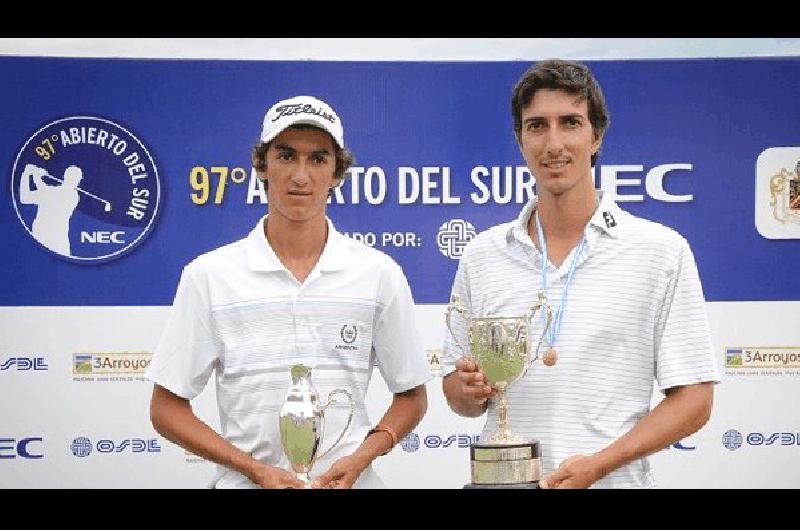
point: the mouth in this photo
(556, 163)
(300, 193)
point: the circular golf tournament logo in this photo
(86, 189)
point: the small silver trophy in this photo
(501, 347)
(302, 422)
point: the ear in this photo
(262, 177)
(598, 141)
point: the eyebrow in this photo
(284, 147)
(561, 117)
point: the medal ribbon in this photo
(552, 333)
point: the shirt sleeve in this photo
(188, 349)
(396, 339)
(684, 351)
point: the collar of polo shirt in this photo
(261, 257)
(606, 218)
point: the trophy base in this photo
(505, 465)
(523, 486)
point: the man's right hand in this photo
(270, 477)
(473, 382)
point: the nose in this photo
(554, 143)
(300, 175)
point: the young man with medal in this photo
(628, 304)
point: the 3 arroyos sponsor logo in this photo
(110, 366)
(86, 188)
(769, 357)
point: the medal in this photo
(550, 357)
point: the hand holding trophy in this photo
(502, 349)
(302, 422)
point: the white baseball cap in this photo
(302, 110)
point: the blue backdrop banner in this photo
(161, 153)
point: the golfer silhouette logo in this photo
(86, 189)
(56, 205)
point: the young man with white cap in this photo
(294, 291)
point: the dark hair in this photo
(343, 157)
(572, 77)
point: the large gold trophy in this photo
(501, 347)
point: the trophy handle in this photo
(349, 418)
(548, 309)
(455, 305)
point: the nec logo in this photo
(103, 237)
(24, 363)
(611, 182)
(433, 441)
(11, 448)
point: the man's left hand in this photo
(342, 474)
(579, 471)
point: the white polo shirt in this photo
(635, 313)
(240, 313)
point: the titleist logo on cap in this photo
(302, 108)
